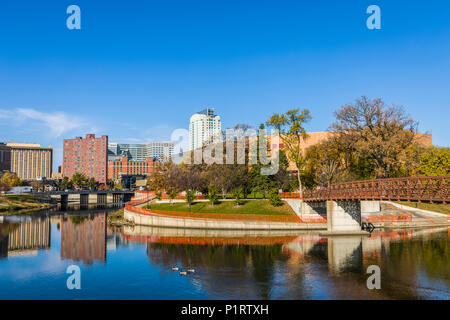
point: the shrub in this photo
(274, 199)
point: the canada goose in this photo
(183, 273)
(175, 268)
(191, 270)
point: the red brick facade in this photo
(126, 167)
(87, 156)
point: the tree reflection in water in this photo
(414, 265)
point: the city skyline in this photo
(104, 79)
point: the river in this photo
(136, 262)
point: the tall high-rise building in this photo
(203, 126)
(30, 161)
(87, 156)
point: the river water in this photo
(136, 262)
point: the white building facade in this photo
(203, 127)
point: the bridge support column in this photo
(344, 217)
(64, 198)
(127, 197)
(102, 198)
(84, 199)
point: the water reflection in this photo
(415, 264)
(24, 238)
(83, 238)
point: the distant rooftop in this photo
(207, 111)
(23, 145)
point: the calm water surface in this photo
(136, 263)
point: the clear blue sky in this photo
(138, 69)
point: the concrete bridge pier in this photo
(118, 197)
(84, 199)
(64, 199)
(102, 198)
(344, 217)
(127, 197)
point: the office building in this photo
(5, 157)
(88, 156)
(124, 166)
(204, 126)
(30, 161)
(161, 151)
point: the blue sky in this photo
(137, 70)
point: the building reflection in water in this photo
(24, 238)
(303, 266)
(83, 237)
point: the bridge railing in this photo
(421, 189)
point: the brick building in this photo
(84, 238)
(5, 157)
(88, 156)
(124, 166)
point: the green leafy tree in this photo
(213, 195)
(79, 180)
(237, 195)
(172, 195)
(118, 186)
(292, 133)
(274, 198)
(92, 184)
(65, 184)
(435, 162)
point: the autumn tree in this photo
(4, 187)
(325, 162)
(11, 179)
(292, 133)
(374, 132)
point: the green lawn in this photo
(436, 207)
(249, 207)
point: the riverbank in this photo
(21, 204)
(116, 218)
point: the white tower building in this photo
(203, 126)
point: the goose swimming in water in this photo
(183, 273)
(191, 270)
(175, 268)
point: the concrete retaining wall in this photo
(175, 222)
(370, 206)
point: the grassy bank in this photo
(436, 207)
(260, 207)
(20, 204)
